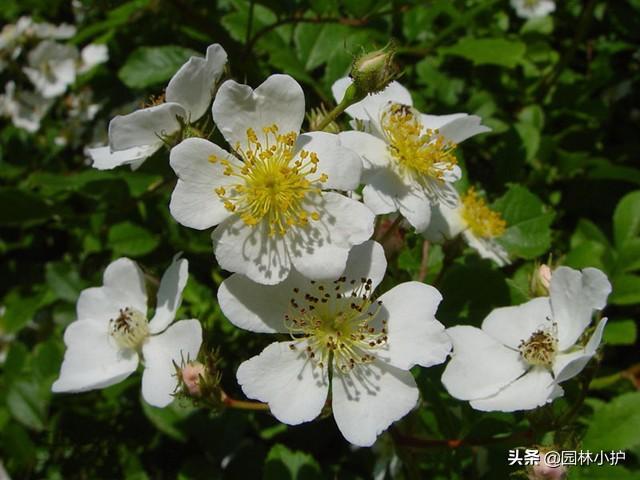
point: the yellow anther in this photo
(480, 219)
(315, 216)
(212, 158)
(220, 191)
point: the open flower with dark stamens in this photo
(343, 342)
(522, 353)
(112, 333)
(409, 157)
(269, 197)
(136, 136)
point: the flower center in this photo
(418, 152)
(130, 328)
(339, 327)
(480, 219)
(274, 183)
(540, 349)
(531, 3)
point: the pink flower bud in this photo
(544, 275)
(545, 471)
(191, 374)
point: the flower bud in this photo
(192, 374)
(544, 471)
(372, 72)
(541, 281)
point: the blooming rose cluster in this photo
(47, 64)
(279, 201)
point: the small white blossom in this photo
(409, 157)
(522, 353)
(112, 333)
(26, 109)
(269, 196)
(533, 8)
(52, 68)
(92, 55)
(340, 335)
(136, 136)
(474, 220)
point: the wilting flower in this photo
(112, 332)
(268, 197)
(26, 109)
(533, 8)
(409, 157)
(522, 353)
(52, 68)
(138, 135)
(339, 334)
(474, 220)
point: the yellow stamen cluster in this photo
(273, 182)
(480, 219)
(339, 322)
(540, 349)
(422, 153)
(130, 328)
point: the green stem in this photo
(351, 96)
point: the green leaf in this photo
(27, 400)
(615, 426)
(626, 289)
(602, 472)
(147, 66)
(487, 51)
(132, 240)
(282, 464)
(621, 332)
(64, 281)
(528, 220)
(626, 219)
(169, 420)
(21, 308)
(21, 208)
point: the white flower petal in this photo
(92, 359)
(342, 165)
(511, 325)
(366, 260)
(568, 365)
(379, 200)
(193, 84)
(92, 55)
(435, 122)
(574, 297)
(255, 307)
(416, 208)
(373, 150)
(479, 366)
(104, 159)
(462, 128)
(181, 341)
(169, 295)
(236, 108)
(534, 389)
(144, 127)
(251, 251)
(369, 399)
(194, 202)
(319, 251)
(415, 336)
(284, 378)
(445, 223)
(123, 287)
(372, 104)
(487, 248)
(526, 9)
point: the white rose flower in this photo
(522, 353)
(112, 331)
(138, 135)
(52, 68)
(474, 220)
(533, 8)
(409, 158)
(339, 334)
(26, 109)
(268, 199)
